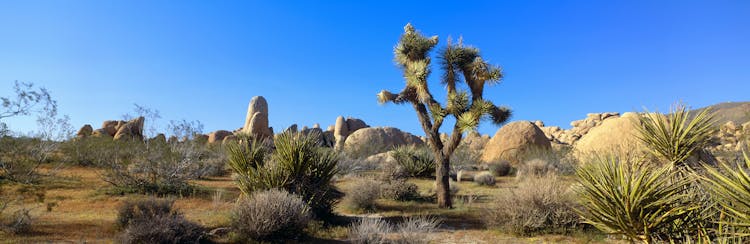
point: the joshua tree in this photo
(459, 64)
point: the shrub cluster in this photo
(413, 229)
(485, 179)
(499, 169)
(362, 195)
(399, 190)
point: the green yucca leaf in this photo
(635, 201)
(730, 187)
(676, 137)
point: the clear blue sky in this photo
(316, 60)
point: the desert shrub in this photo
(270, 215)
(416, 229)
(154, 221)
(561, 160)
(298, 164)
(369, 231)
(393, 171)
(88, 151)
(350, 165)
(484, 179)
(535, 168)
(730, 188)
(159, 167)
(20, 158)
(501, 168)
(16, 204)
(540, 205)
(362, 195)
(466, 156)
(399, 190)
(416, 161)
(453, 188)
(212, 161)
(677, 136)
(643, 202)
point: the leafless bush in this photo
(369, 231)
(501, 168)
(154, 221)
(271, 215)
(415, 229)
(362, 195)
(539, 205)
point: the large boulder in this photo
(131, 130)
(345, 127)
(256, 121)
(110, 127)
(373, 140)
(218, 136)
(85, 131)
(512, 141)
(614, 136)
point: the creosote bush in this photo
(414, 229)
(399, 190)
(270, 215)
(154, 221)
(362, 195)
(416, 161)
(369, 231)
(485, 179)
(540, 205)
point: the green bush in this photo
(298, 164)
(270, 215)
(416, 161)
(540, 205)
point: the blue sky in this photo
(316, 60)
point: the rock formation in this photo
(218, 136)
(512, 141)
(130, 130)
(344, 128)
(85, 131)
(373, 140)
(256, 121)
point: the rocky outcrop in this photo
(614, 136)
(373, 140)
(256, 121)
(130, 130)
(218, 136)
(512, 141)
(85, 131)
(160, 138)
(731, 137)
(578, 130)
(344, 128)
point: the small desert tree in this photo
(459, 64)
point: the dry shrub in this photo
(539, 205)
(271, 215)
(485, 179)
(369, 231)
(154, 221)
(415, 230)
(400, 190)
(535, 168)
(362, 195)
(501, 168)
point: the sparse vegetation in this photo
(362, 195)
(501, 168)
(400, 190)
(730, 188)
(154, 221)
(540, 205)
(270, 215)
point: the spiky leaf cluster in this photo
(677, 136)
(730, 186)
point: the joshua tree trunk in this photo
(442, 180)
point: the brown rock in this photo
(132, 129)
(218, 136)
(379, 139)
(512, 141)
(85, 131)
(613, 136)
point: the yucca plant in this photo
(416, 161)
(677, 136)
(637, 201)
(730, 187)
(298, 165)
